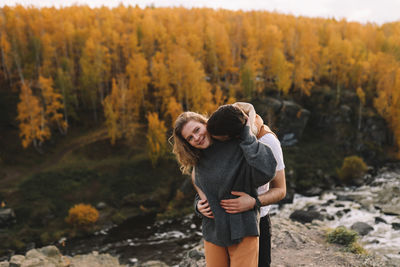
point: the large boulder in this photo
(17, 260)
(194, 257)
(287, 118)
(305, 216)
(50, 256)
(362, 228)
(153, 264)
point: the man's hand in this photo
(243, 203)
(204, 208)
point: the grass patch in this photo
(347, 238)
(56, 190)
(42, 200)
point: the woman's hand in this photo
(204, 208)
(244, 202)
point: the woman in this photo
(239, 164)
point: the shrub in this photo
(82, 216)
(356, 248)
(342, 236)
(353, 168)
(347, 238)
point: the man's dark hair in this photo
(226, 120)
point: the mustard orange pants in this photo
(239, 255)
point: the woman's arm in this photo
(201, 202)
(199, 191)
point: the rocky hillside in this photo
(296, 244)
(50, 256)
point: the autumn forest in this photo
(127, 65)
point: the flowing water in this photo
(377, 204)
(142, 239)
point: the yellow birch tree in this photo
(156, 138)
(31, 117)
(53, 104)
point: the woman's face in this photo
(195, 133)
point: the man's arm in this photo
(259, 158)
(246, 202)
(277, 190)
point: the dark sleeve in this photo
(259, 157)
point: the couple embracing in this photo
(233, 159)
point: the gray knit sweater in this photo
(240, 164)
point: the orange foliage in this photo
(198, 57)
(31, 117)
(82, 215)
(156, 138)
(52, 103)
(120, 109)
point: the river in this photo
(142, 239)
(376, 203)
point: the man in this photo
(220, 127)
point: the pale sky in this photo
(377, 11)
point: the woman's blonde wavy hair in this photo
(186, 154)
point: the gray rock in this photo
(362, 228)
(305, 216)
(16, 260)
(390, 210)
(36, 263)
(154, 264)
(344, 198)
(379, 220)
(101, 205)
(396, 226)
(34, 253)
(95, 260)
(4, 264)
(287, 116)
(50, 251)
(289, 139)
(7, 217)
(313, 191)
(194, 257)
(195, 254)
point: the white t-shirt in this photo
(273, 143)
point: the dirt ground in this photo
(295, 244)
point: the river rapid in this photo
(142, 239)
(376, 203)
